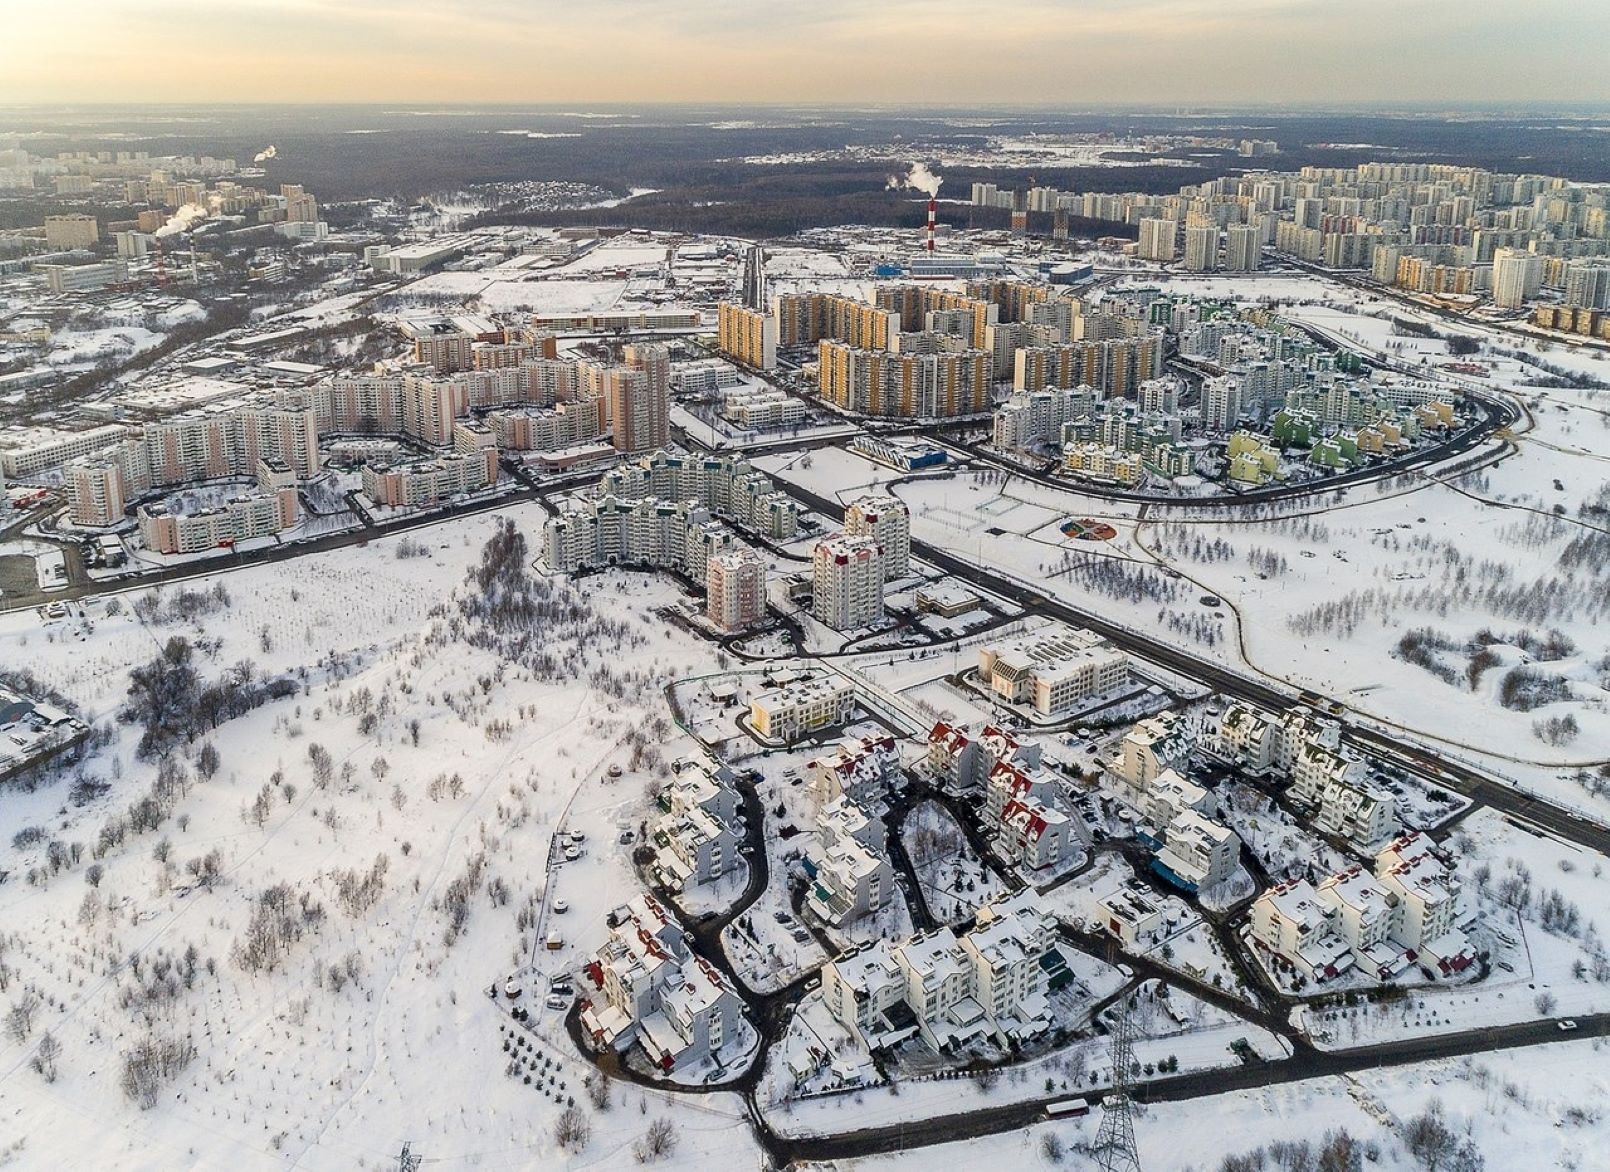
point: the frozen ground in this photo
(339, 1014)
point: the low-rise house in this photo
(1034, 835)
(1292, 923)
(698, 784)
(847, 880)
(1133, 917)
(1198, 853)
(961, 761)
(693, 847)
(1314, 767)
(1168, 796)
(864, 989)
(1246, 737)
(940, 989)
(1008, 951)
(794, 710)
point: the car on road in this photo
(1567, 1026)
(560, 907)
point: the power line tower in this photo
(1115, 1142)
(407, 1161)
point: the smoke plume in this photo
(183, 220)
(919, 178)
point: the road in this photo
(1466, 780)
(1313, 1064)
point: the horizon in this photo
(1162, 53)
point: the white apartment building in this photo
(1158, 240)
(1031, 419)
(788, 713)
(1053, 671)
(1198, 851)
(1035, 835)
(421, 483)
(864, 989)
(1359, 812)
(1152, 747)
(1364, 914)
(735, 590)
(269, 510)
(1429, 905)
(1292, 923)
(864, 770)
(609, 531)
(726, 485)
(847, 578)
(25, 451)
(887, 519)
(650, 989)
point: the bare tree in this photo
(572, 1130)
(659, 1140)
(45, 1056)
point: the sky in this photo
(1088, 52)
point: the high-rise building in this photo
(735, 589)
(72, 231)
(639, 399)
(1221, 403)
(747, 335)
(1517, 276)
(1243, 250)
(847, 582)
(1202, 248)
(887, 519)
(1587, 283)
(1157, 238)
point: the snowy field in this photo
(274, 943)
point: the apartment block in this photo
(847, 576)
(886, 519)
(735, 590)
(650, 989)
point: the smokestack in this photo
(933, 216)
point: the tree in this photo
(659, 1140)
(571, 1130)
(45, 1055)
(597, 1086)
(93, 874)
(1051, 1147)
(207, 761)
(20, 1021)
(1545, 1003)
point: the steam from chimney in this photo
(919, 178)
(267, 153)
(183, 220)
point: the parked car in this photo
(560, 907)
(512, 990)
(554, 1001)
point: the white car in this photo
(560, 907)
(1567, 1026)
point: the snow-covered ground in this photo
(346, 1011)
